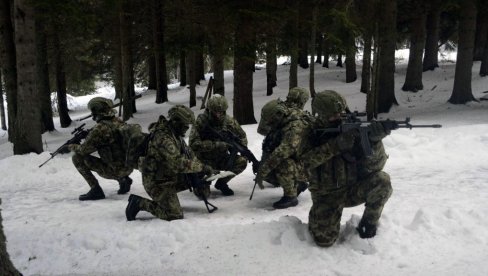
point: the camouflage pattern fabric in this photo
(162, 169)
(344, 179)
(206, 146)
(281, 150)
(102, 139)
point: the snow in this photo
(435, 223)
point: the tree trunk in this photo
(303, 52)
(326, 53)
(461, 92)
(413, 79)
(200, 64)
(366, 70)
(6, 266)
(183, 68)
(371, 96)
(159, 52)
(484, 62)
(244, 55)
(271, 64)
(433, 27)
(320, 43)
(126, 58)
(43, 87)
(117, 59)
(190, 76)
(8, 61)
(151, 72)
(481, 30)
(351, 74)
(2, 106)
(313, 42)
(28, 125)
(293, 79)
(64, 117)
(218, 65)
(339, 60)
(386, 56)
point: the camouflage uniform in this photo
(284, 129)
(103, 139)
(341, 176)
(210, 149)
(163, 167)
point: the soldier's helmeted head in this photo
(217, 106)
(180, 119)
(272, 115)
(297, 97)
(329, 105)
(101, 108)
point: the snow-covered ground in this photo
(435, 223)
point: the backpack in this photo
(133, 143)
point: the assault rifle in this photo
(195, 181)
(352, 123)
(235, 147)
(78, 134)
(114, 106)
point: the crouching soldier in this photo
(164, 167)
(103, 139)
(341, 175)
(211, 149)
(285, 131)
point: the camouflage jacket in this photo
(103, 138)
(165, 157)
(203, 143)
(330, 169)
(287, 141)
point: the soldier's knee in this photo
(324, 240)
(77, 160)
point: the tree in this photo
(60, 75)
(2, 106)
(6, 266)
(413, 79)
(484, 61)
(28, 126)
(128, 91)
(8, 62)
(293, 47)
(461, 92)
(159, 52)
(481, 30)
(432, 28)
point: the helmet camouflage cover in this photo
(101, 106)
(271, 115)
(297, 97)
(327, 103)
(217, 103)
(181, 113)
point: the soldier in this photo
(284, 131)
(341, 176)
(102, 139)
(297, 98)
(212, 150)
(163, 167)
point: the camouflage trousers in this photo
(324, 219)
(286, 176)
(85, 164)
(220, 163)
(164, 204)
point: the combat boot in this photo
(366, 230)
(124, 184)
(133, 207)
(94, 193)
(301, 187)
(285, 202)
(224, 188)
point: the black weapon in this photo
(114, 106)
(195, 181)
(236, 147)
(352, 123)
(78, 134)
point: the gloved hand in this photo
(70, 147)
(344, 142)
(377, 131)
(221, 146)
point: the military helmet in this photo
(101, 106)
(217, 103)
(297, 97)
(181, 113)
(328, 102)
(271, 115)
